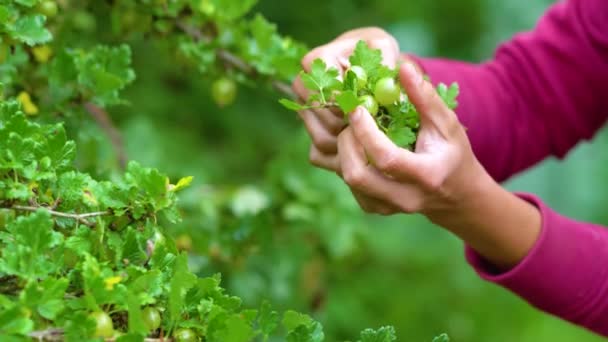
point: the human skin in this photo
(442, 179)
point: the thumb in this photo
(421, 93)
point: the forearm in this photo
(497, 224)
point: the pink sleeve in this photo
(544, 92)
(565, 273)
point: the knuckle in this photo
(314, 157)
(323, 142)
(433, 181)
(410, 207)
(387, 161)
(354, 177)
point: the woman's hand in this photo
(442, 179)
(324, 125)
(439, 176)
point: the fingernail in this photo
(413, 73)
(355, 115)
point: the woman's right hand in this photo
(324, 125)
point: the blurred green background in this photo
(280, 230)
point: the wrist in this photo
(497, 224)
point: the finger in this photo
(365, 179)
(386, 156)
(389, 48)
(322, 139)
(433, 112)
(325, 161)
(299, 88)
(327, 53)
(372, 205)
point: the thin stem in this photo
(231, 59)
(82, 218)
(104, 120)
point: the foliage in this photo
(86, 259)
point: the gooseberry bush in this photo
(85, 256)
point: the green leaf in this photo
(231, 10)
(235, 330)
(181, 281)
(449, 95)
(403, 137)
(104, 71)
(292, 105)
(45, 297)
(15, 321)
(442, 338)
(268, 319)
(30, 30)
(27, 247)
(321, 79)
(132, 249)
(136, 320)
(293, 319)
(78, 327)
(384, 334)
(371, 61)
(348, 101)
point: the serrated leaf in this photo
(442, 338)
(371, 61)
(268, 319)
(321, 79)
(181, 281)
(403, 137)
(15, 321)
(137, 327)
(348, 101)
(26, 250)
(45, 297)
(235, 330)
(384, 334)
(30, 30)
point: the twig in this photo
(104, 120)
(233, 60)
(82, 218)
(55, 334)
(51, 334)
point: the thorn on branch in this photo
(104, 120)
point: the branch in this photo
(82, 218)
(51, 334)
(104, 120)
(55, 334)
(233, 60)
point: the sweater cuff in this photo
(532, 275)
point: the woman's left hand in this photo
(439, 178)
